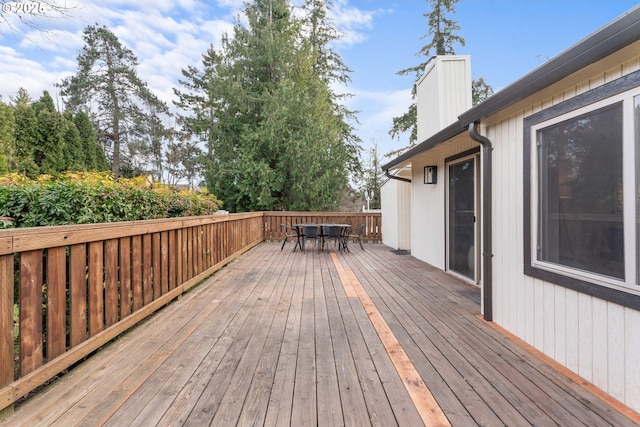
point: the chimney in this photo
(443, 93)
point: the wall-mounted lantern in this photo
(430, 174)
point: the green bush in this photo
(94, 197)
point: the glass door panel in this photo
(462, 218)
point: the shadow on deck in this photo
(283, 338)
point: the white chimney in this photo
(443, 92)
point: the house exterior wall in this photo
(597, 339)
(396, 211)
(404, 216)
(428, 225)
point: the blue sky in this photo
(506, 39)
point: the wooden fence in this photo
(81, 286)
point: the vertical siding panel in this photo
(549, 320)
(600, 343)
(572, 338)
(615, 350)
(78, 294)
(631, 66)
(498, 206)
(31, 354)
(538, 315)
(56, 301)
(511, 291)
(515, 222)
(517, 254)
(585, 334)
(632, 358)
(111, 282)
(6, 319)
(96, 288)
(125, 277)
(560, 329)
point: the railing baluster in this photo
(78, 294)
(6, 320)
(56, 301)
(31, 352)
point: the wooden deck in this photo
(299, 339)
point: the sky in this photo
(506, 39)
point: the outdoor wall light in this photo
(430, 174)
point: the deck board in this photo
(274, 339)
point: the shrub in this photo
(94, 197)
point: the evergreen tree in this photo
(480, 91)
(7, 137)
(45, 103)
(442, 36)
(26, 135)
(107, 79)
(74, 155)
(50, 147)
(277, 137)
(94, 158)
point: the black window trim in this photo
(615, 87)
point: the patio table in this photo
(304, 233)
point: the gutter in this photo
(399, 178)
(487, 246)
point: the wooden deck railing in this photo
(372, 230)
(81, 286)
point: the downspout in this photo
(399, 178)
(487, 248)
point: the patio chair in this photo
(333, 232)
(290, 233)
(311, 232)
(354, 234)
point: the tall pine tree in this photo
(108, 88)
(442, 35)
(277, 136)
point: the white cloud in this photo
(166, 36)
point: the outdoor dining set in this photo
(322, 233)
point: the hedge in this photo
(94, 197)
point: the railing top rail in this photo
(319, 214)
(25, 239)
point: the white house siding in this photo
(428, 226)
(598, 340)
(390, 213)
(445, 91)
(396, 211)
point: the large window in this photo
(582, 192)
(580, 200)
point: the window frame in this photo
(627, 291)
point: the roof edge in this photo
(449, 132)
(614, 36)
